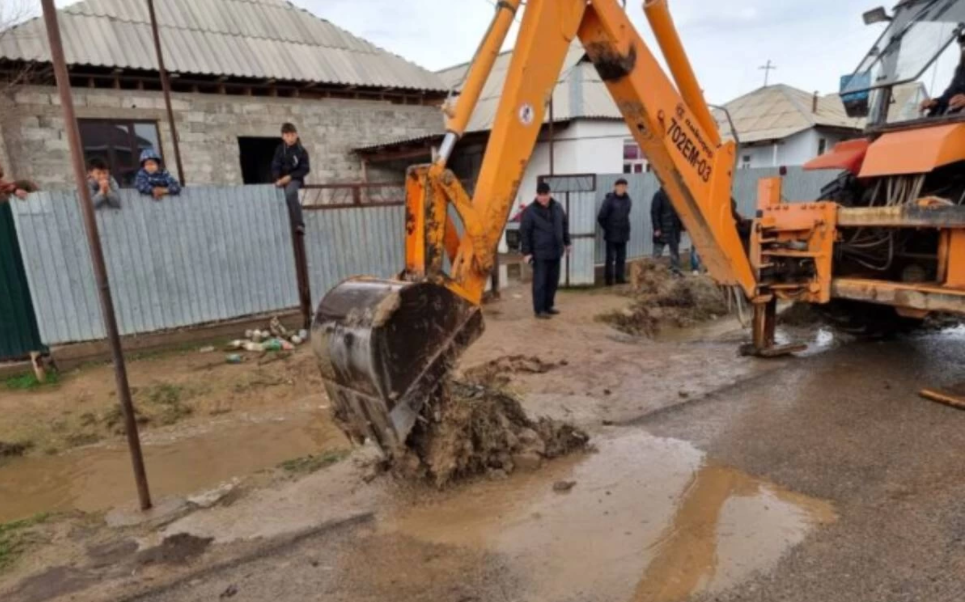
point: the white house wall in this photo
(794, 150)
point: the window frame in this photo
(640, 165)
(131, 124)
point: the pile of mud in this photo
(469, 430)
(663, 300)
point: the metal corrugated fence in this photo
(210, 254)
(353, 241)
(799, 185)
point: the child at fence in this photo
(18, 188)
(289, 167)
(103, 186)
(153, 179)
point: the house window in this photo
(633, 158)
(822, 146)
(119, 142)
(746, 162)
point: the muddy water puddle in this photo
(181, 460)
(648, 520)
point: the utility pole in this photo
(767, 71)
(96, 252)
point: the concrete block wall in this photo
(32, 130)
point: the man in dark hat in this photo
(545, 237)
(614, 219)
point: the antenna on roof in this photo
(767, 71)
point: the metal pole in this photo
(96, 252)
(166, 86)
(552, 137)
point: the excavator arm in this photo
(385, 345)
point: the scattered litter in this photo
(207, 349)
(251, 346)
(303, 334)
(237, 344)
(663, 300)
(563, 486)
(228, 593)
(272, 345)
(296, 340)
(234, 358)
(277, 329)
(286, 346)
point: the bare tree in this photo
(12, 13)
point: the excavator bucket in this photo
(383, 346)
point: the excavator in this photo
(890, 235)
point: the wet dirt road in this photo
(828, 479)
(724, 478)
(179, 461)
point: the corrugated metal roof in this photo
(779, 111)
(261, 39)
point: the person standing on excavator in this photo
(545, 236)
(953, 100)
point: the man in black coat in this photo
(545, 237)
(953, 100)
(667, 228)
(614, 219)
(289, 168)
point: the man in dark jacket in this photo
(666, 229)
(545, 236)
(953, 100)
(289, 168)
(614, 219)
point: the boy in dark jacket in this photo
(614, 219)
(153, 179)
(545, 235)
(667, 228)
(289, 168)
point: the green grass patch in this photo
(27, 381)
(309, 464)
(16, 538)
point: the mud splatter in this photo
(180, 548)
(497, 372)
(662, 300)
(469, 430)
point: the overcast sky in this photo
(812, 42)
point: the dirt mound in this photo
(470, 430)
(662, 300)
(497, 372)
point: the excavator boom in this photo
(384, 346)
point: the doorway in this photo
(256, 156)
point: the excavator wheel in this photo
(383, 346)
